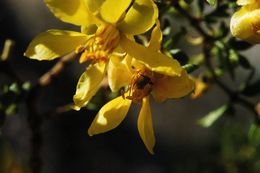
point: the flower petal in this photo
(154, 60)
(200, 88)
(94, 5)
(110, 116)
(70, 11)
(54, 43)
(88, 84)
(118, 73)
(245, 23)
(245, 2)
(145, 125)
(112, 10)
(156, 37)
(172, 87)
(139, 18)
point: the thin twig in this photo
(35, 119)
(194, 22)
(56, 69)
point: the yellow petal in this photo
(153, 60)
(110, 116)
(245, 23)
(200, 88)
(70, 11)
(156, 37)
(94, 5)
(112, 10)
(145, 125)
(245, 2)
(139, 18)
(172, 87)
(118, 73)
(89, 29)
(88, 84)
(54, 43)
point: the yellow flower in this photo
(142, 82)
(107, 28)
(245, 23)
(246, 2)
(200, 88)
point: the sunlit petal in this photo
(71, 11)
(245, 23)
(88, 84)
(112, 10)
(156, 37)
(172, 87)
(94, 5)
(110, 116)
(245, 2)
(140, 17)
(154, 60)
(118, 73)
(54, 43)
(145, 125)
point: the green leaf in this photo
(254, 134)
(26, 86)
(212, 2)
(214, 115)
(14, 88)
(190, 67)
(11, 109)
(243, 61)
(239, 44)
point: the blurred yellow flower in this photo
(107, 29)
(142, 81)
(245, 23)
(200, 88)
(245, 2)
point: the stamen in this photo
(99, 46)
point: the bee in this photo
(141, 85)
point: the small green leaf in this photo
(14, 88)
(26, 86)
(239, 44)
(190, 67)
(243, 61)
(254, 134)
(214, 115)
(233, 56)
(212, 2)
(11, 109)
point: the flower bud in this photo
(245, 23)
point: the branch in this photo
(194, 22)
(34, 118)
(207, 45)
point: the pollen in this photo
(141, 85)
(99, 46)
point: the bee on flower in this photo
(143, 81)
(107, 30)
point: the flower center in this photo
(141, 85)
(100, 45)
